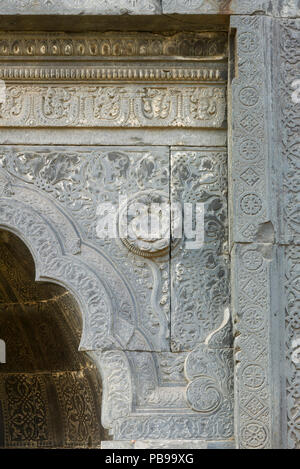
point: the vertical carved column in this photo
(252, 232)
(287, 89)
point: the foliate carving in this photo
(166, 426)
(75, 275)
(72, 177)
(210, 372)
(204, 395)
(118, 106)
(117, 386)
(200, 276)
(250, 134)
(113, 45)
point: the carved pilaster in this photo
(252, 233)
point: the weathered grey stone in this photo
(287, 8)
(188, 7)
(49, 190)
(283, 8)
(131, 137)
(155, 444)
(251, 137)
(80, 7)
(286, 112)
(167, 444)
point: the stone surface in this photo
(251, 136)
(283, 8)
(154, 444)
(199, 268)
(287, 109)
(79, 7)
(49, 195)
(241, 7)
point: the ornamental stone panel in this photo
(195, 334)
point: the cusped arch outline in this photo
(55, 265)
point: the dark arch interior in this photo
(50, 394)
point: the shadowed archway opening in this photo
(50, 394)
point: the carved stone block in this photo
(199, 273)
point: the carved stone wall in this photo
(166, 362)
(157, 319)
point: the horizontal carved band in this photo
(136, 73)
(113, 106)
(43, 45)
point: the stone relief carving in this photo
(252, 324)
(113, 45)
(46, 172)
(250, 134)
(30, 226)
(200, 276)
(210, 389)
(292, 343)
(251, 263)
(288, 130)
(40, 73)
(145, 385)
(113, 106)
(73, 178)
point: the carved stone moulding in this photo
(116, 46)
(211, 72)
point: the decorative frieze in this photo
(113, 74)
(113, 106)
(77, 46)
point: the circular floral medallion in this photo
(144, 224)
